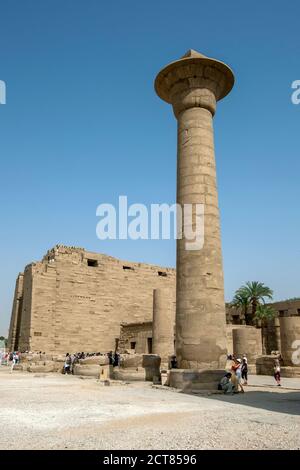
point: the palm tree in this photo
(256, 293)
(265, 312)
(241, 301)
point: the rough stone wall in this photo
(74, 300)
(138, 333)
(287, 308)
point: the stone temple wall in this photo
(137, 337)
(75, 300)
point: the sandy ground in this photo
(64, 412)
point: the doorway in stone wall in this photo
(149, 345)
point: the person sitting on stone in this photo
(226, 385)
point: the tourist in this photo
(173, 362)
(73, 360)
(14, 361)
(277, 375)
(244, 370)
(18, 357)
(237, 375)
(110, 358)
(7, 356)
(226, 385)
(116, 360)
(67, 365)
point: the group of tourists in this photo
(10, 359)
(237, 371)
(236, 376)
(72, 359)
(234, 380)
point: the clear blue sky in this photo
(82, 125)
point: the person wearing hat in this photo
(237, 373)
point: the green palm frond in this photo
(265, 312)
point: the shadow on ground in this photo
(280, 402)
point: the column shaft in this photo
(163, 323)
(200, 310)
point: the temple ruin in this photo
(75, 300)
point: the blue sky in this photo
(82, 125)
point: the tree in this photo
(4, 340)
(265, 313)
(240, 300)
(256, 293)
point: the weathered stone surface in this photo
(96, 360)
(188, 380)
(151, 364)
(41, 368)
(86, 295)
(131, 361)
(290, 372)
(106, 372)
(90, 370)
(163, 323)
(247, 340)
(290, 340)
(129, 375)
(20, 367)
(137, 334)
(265, 364)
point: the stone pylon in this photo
(193, 85)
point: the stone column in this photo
(192, 85)
(247, 340)
(290, 340)
(163, 323)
